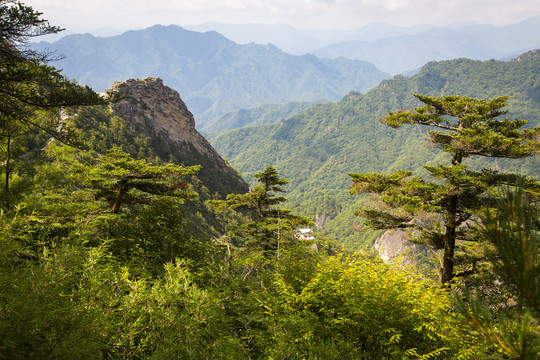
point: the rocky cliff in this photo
(394, 245)
(157, 111)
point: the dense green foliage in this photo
(120, 179)
(105, 253)
(316, 150)
(509, 324)
(28, 84)
(142, 284)
(267, 226)
(79, 292)
(464, 127)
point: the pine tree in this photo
(18, 24)
(465, 127)
(28, 84)
(120, 179)
(267, 222)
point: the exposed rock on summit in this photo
(527, 55)
(161, 111)
(157, 111)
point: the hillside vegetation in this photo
(124, 235)
(316, 150)
(263, 114)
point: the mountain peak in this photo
(158, 112)
(169, 114)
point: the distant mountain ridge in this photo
(299, 42)
(213, 74)
(393, 49)
(288, 38)
(408, 51)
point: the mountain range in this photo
(216, 75)
(398, 54)
(262, 114)
(393, 49)
(213, 74)
(315, 144)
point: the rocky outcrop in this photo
(157, 111)
(393, 245)
(527, 55)
(151, 105)
(321, 219)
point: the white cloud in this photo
(78, 15)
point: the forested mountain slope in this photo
(213, 74)
(317, 150)
(263, 114)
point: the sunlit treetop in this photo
(469, 127)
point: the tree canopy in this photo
(465, 127)
(268, 222)
(469, 127)
(120, 179)
(18, 24)
(29, 84)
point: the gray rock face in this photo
(394, 246)
(158, 110)
(150, 103)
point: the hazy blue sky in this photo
(88, 15)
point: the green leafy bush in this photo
(360, 308)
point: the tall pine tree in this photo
(267, 224)
(28, 84)
(464, 127)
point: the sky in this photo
(90, 15)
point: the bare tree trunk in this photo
(8, 172)
(449, 241)
(118, 198)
